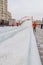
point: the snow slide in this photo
(21, 49)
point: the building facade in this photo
(9, 17)
(13, 21)
(4, 13)
(5, 16)
(1, 9)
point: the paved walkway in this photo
(39, 39)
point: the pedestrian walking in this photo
(34, 26)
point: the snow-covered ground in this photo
(20, 49)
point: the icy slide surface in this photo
(21, 49)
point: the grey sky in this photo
(20, 8)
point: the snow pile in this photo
(21, 49)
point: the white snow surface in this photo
(20, 49)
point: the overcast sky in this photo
(20, 8)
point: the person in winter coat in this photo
(34, 26)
